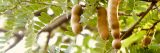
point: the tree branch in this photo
(154, 24)
(151, 0)
(130, 30)
(123, 14)
(3, 30)
(151, 30)
(46, 45)
(16, 36)
(58, 22)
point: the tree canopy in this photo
(45, 26)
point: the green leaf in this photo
(79, 49)
(90, 22)
(37, 27)
(59, 40)
(96, 50)
(57, 10)
(30, 39)
(36, 6)
(135, 37)
(69, 33)
(157, 36)
(86, 40)
(45, 18)
(10, 23)
(74, 2)
(61, 3)
(64, 46)
(131, 4)
(89, 11)
(39, 23)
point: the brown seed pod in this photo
(112, 13)
(75, 18)
(113, 18)
(77, 10)
(146, 41)
(116, 43)
(102, 23)
(115, 34)
(77, 28)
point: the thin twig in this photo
(154, 24)
(46, 44)
(130, 30)
(151, 30)
(123, 14)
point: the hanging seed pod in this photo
(114, 22)
(75, 18)
(102, 23)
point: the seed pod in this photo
(102, 23)
(77, 10)
(75, 18)
(112, 13)
(115, 34)
(116, 43)
(77, 28)
(146, 41)
(113, 18)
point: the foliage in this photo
(33, 15)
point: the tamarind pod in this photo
(116, 43)
(102, 23)
(113, 14)
(146, 41)
(115, 34)
(75, 18)
(114, 23)
(76, 10)
(113, 17)
(76, 28)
